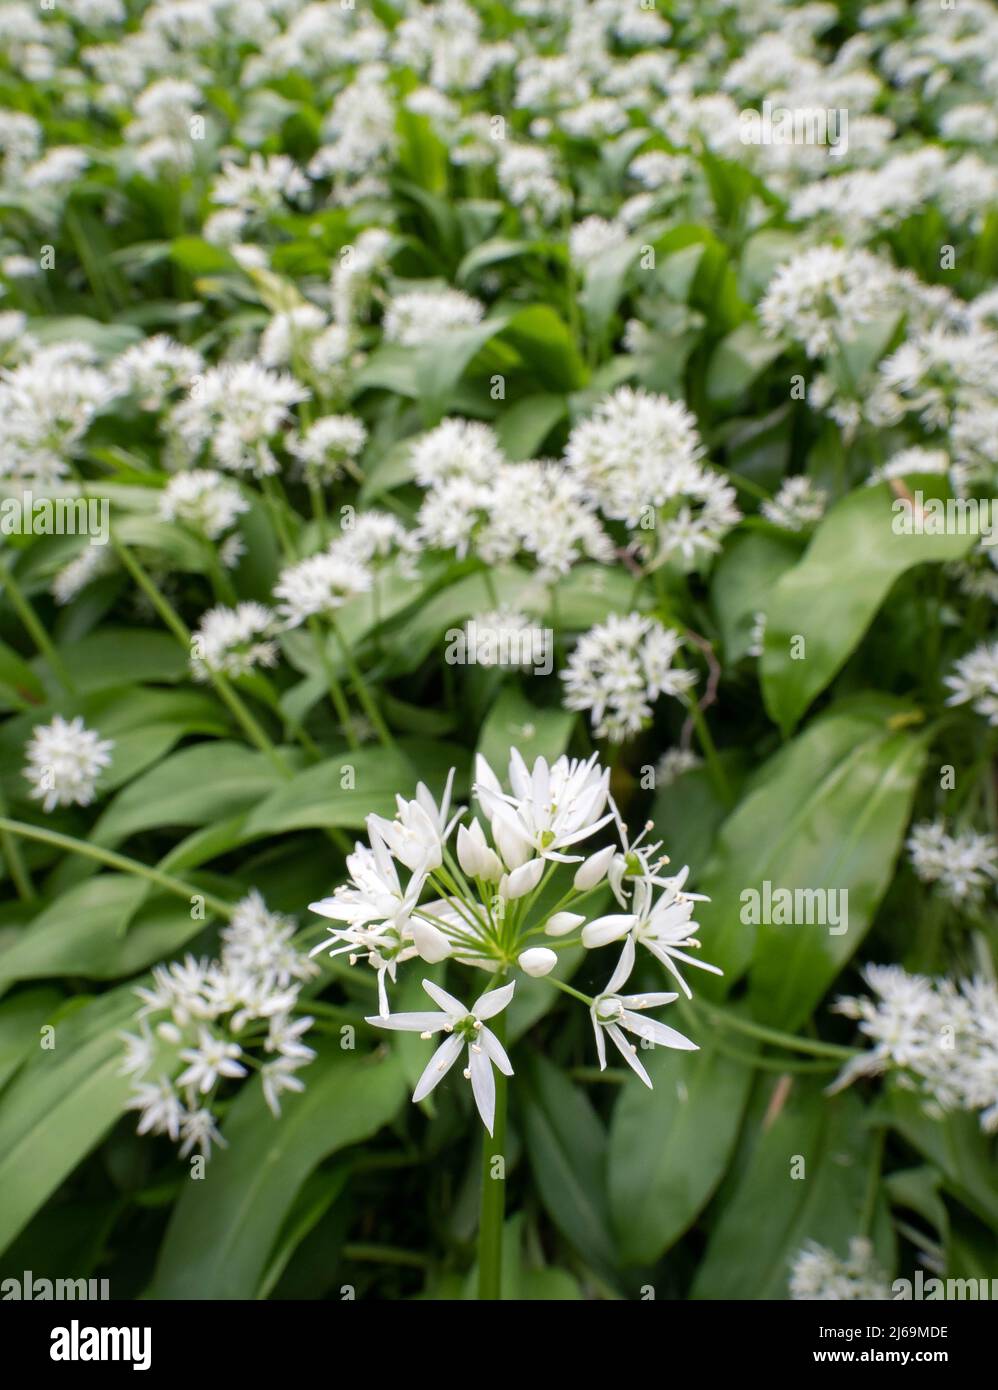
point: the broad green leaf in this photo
(115, 656)
(513, 722)
(738, 360)
(830, 598)
(955, 1144)
(670, 1147)
(545, 343)
(741, 584)
(524, 425)
(101, 929)
(60, 1105)
(567, 1146)
(21, 1018)
(771, 1214)
(193, 787)
(223, 1229)
(806, 822)
(338, 792)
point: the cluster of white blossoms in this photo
(798, 503)
(483, 898)
(419, 316)
(205, 1023)
(204, 500)
(964, 865)
(822, 297)
(233, 413)
(64, 762)
(819, 1274)
(638, 456)
(939, 1036)
(974, 681)
(619, 668)
(233, 641)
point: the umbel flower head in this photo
(480, 893)
(65, 759)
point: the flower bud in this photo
(562, 923)
(431, 943)
(593, 869)
(522, 880)
(538, 961)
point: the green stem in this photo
(15, 863)
(178, 627)
(22, 607)
(361, 691)
(113, 860)
(336, 695)
(790, 1041)
(493, 1201)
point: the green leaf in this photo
(514, 722)
(524, 426)
(830, 598)
(224, 1229)
(738, 360)
(60, 1105)
(318, 798)
(670, 1147)
(771, 1214)
(567, 1147)
(86, 932)
(741, 584)
(828, 811)
(21, 1019)
(193, 787)
(545, 343)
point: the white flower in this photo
(549, 810)
(204, 500)
(319, 585)
(964, 864)
(974, 680)
(417, 835)
(234, 411)
(233, 641)
(664, 926)
(619, 668)
(153, 369)
(419, 316)
(593, 238)
(818, 1274)
(797, 504)
(329, 444)
(160, 1106)
(456, 448)
(822, 297)
(210, 1060)
(463, 1026)
(673, 764)
(198, 1128)
(64, 761)
(615, 1013)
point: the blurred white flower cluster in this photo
(819, 1274)
(205, 1023)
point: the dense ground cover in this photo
(581, 414)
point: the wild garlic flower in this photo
(47, 404)
(940, 1035)
(202, 1022)
(420, 316)
(965, 864)
(154, 369)
(480, 899)
(233, 641)
(675, 763)
(64, 762)
(615, 1014)
(638, 456)
(798, 503)
(204, 500)
(824, 296)
(463, 1026)
(593, 238)
(619, 668)
(456, 449)
(376, 540)
(974, 681)
(818, 1274)
(330, 445)
(234, 412)
(320, 585)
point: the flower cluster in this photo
(940, 1036)
(64, 762)
(619, 668)
(482, 898)
(819, 1274)
(205, 1023)
(964, 865)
